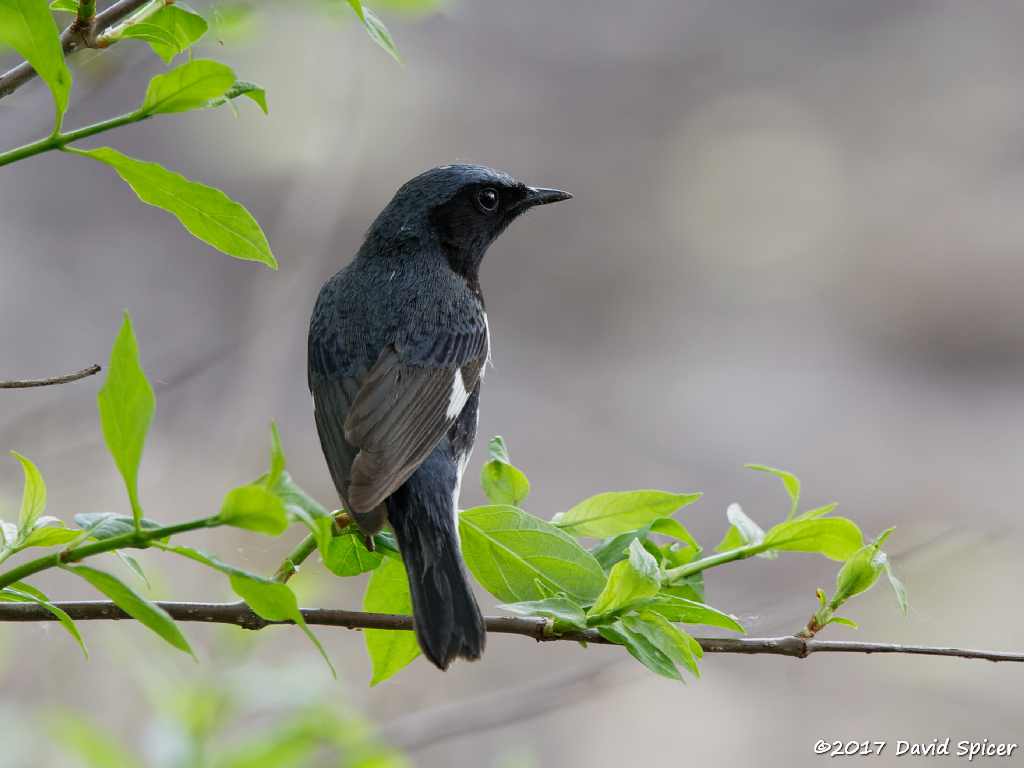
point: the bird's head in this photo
(465, 207)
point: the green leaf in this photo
(155, 35)
(841, 620)
(388, 592)
(88, 743)
(507, 549)
(206, 212)
(254, 509)
(667, 638)
(139, 608)
(504, 484)
(269, 599)
(378, 33)
(788, 480)
(835, 537)
(240, 88)
(816, 513)
(631, 580)
(898, 588)
(347, 555)
(357, 7)
(497, 449)
(565, 612)
(609, 514)
(185, 26)
(669, 527)
(108, 525)
(68, 6)
(744, 532)
(23, 593)
(28, 27)
(641, 649)
(133, 566)
(277, 460)
(33, 499)
(126, 410)
(685, 611)
(187, 87)
(616, 549)
(50, 537)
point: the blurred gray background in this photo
(796, 240)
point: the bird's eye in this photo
(488, 199)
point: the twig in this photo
(91, 370)
(75, 38)
(241, 615)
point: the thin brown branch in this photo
(91, 370)
(241, 615)
(76, 37)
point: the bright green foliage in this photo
(388, 592)
(184, 25)
(33, 500)
(685, 611)
(206, 212)
(347, 554)
(68, 6)
(508, 551)
(790, 481)
(642, 649)
(240, 88)
(565, 612)
(835, 537)
(255, 509)
(136, 606)
(610, 514)
(631, 580)
(743, 532)
(379, 34)
(126, 404)
(155, 35)
(187, 87)
(503, 483)
(28, 27)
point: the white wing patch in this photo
(487, 328)
(459, 396)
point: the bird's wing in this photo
(401, 411)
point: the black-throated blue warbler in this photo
(398, 341)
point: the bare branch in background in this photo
(90, 371)
(241, 615)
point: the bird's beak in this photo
(540, 196)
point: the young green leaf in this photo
(788, 480)
(254, 509)
(23, 593)
(357, 7)
(609, 514)
(33, 499)
(504, 484)
(240, 88)
(388, 592)
(28, 27)
(835, 537)
(841, 620)
(133, 566)
(616, 549)
(666, 637)
(148, 614)
(153, 34)
(814, 514)
(631, 580)
(126, 404)
(50, 537)
(860, 572)
(68, 6)
(347, 555)
(641, 649)
(743, 532)
(669, 527)
(187, 87)
(507, 549)
(207, 213)
(565, 612)
(897, 586)
(497, 449)
(378, 33)
(268, 599)
(185, 26)
(277, 460)
(685, 611)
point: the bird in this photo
(398, 344)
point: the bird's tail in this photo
(445, 613)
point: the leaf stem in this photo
(291, 564)
(681, 572)
(113, 34)
(61, 140)
(134, 540)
